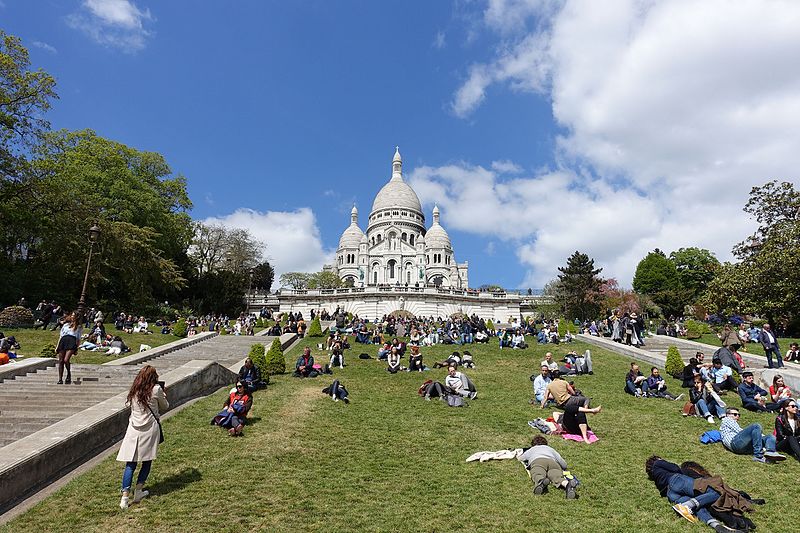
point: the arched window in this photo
(404, 236)
(411, 239)
(392, 263)
(380, 237)
(375, 277)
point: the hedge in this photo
(276, 362)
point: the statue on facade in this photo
(402, 303)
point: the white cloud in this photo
(116, 23)
(44, 46)
(671, 111)
(439, 41)
(292, 238)
(506, 167)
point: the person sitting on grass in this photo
(415, 360)
(778, 391)
(234, 412)
(546, 467)
(754, 398)
(563, 393)
(337, 355)
(304, 367)
(636, 383)
(549, 362)
(250, 376)
(691, 370)
(657, 386)
(679, 488)
(458, 383)
(722, 376)
(393, 361)
(540, 383)
(574, 419)
(793, 354)
(506, 339)
(705, 399)
(787, 429)
(747, 440)
(518, 340)
(384, 351)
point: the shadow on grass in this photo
(176, 482)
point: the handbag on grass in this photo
(160, 429)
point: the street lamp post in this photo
(94, 236)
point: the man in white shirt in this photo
(540, 384)
(458, 383)
(549, 362)
(770, 344)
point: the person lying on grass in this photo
(546, 467)
(658, 386)
(680, 488)
(454, 359)
(747, 440)
(234, 411)
(458, 383)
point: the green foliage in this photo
(295, 280)
(16, 316)
(276, 362)
(49, 350)
(263, 277)
(489, 324)
(736, 377)
(695, 329)
(258, 355)
(565, 325)
(657, 277)
(220, 291)
(315, 329)
(180, 329)
(674, 364)
(579, 286)
(696, 269)
(223, 330)
(325, 279)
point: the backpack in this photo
(454, 400)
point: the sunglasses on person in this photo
(792, 405)
(734, 414)
(239, 386)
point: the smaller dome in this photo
(437, 237)
(351, 237)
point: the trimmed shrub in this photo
(223, 330)
(565, 325)
(258, 355)
(49, 350)
(489, 324)
(276, 363)
(674, 365)
(695, 329)
(180, 329)
(315, 329)
(16, 316)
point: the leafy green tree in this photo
(696, 268)
(217, 292)
(263, 276)
(325, 279)
(295, 280)
(657, 277)
(579, 286)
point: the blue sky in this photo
(539, 127)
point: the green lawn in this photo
(33, 341)
(390, 461)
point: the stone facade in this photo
(397, 249)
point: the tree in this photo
(657, 277)
(276, 362)
(579, 286)
(141, 208)
(295, 280)
(25, 96)
(216, 247)
(324, 280)
(696, 268)
(315, 329)
(263, 276)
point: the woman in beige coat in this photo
(147, 399)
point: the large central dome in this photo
(396, 193)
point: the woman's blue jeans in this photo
(681, 490)
(705, 408)
(127, 474)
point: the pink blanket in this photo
(578, 438)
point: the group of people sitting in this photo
(652, 386)
(565, 396)
(457, 386)
(239, 400)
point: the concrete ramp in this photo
(33, 461)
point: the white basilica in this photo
(397, 249)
